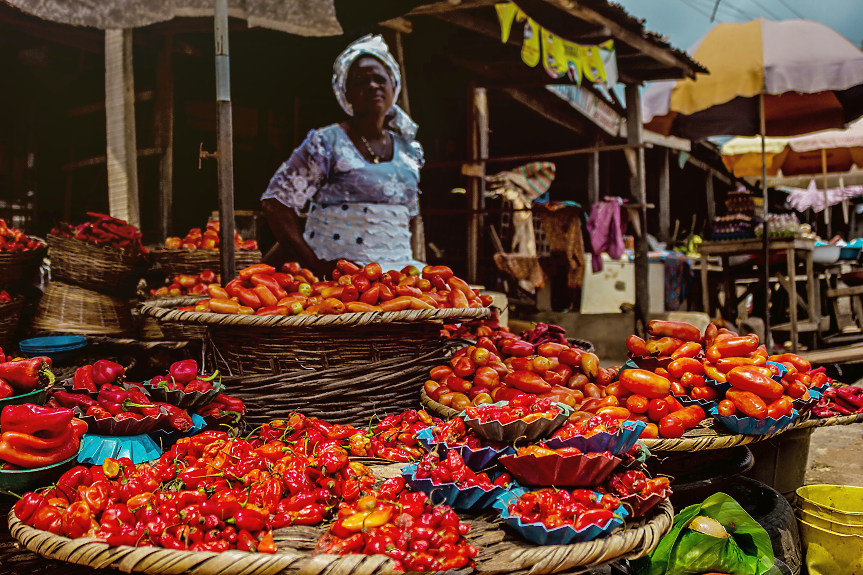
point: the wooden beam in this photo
(664, 197)
(450, 6)
(635, 137)
(533, 156)
(474, 24)
(545, 110)
(142, 96)
(622, 34)
(399, 24)
(699, 164)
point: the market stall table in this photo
(791, 246)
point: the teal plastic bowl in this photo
(59, 348)
(21, 481)
(38, 397)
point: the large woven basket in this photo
(185, 261)
(351, 394)
(10, 313)
(66, 308)
(247, 345)
(18, 267)
(93, 267)
(176, 331)
(501, 551)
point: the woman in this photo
(360, 176)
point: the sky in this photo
(684, 22)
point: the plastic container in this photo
(59, 348)
(837, 503)
(753, 425)
(616, 443)
(97, 448)
(23, 480)
(830, 553)
(189, 401)
(113, 428)
(37, 397)
(826, 254)
(517, 430)
(168, 437)
(476, 459)
(639, 506)
(541, 535)
(469, 498)
(583, 470)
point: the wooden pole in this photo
(400, 55)
(593, 178)
(635, 137)
(708, 194)
(477, 122)
(824, 184)
(766, 233)
(225, 139)
(164, 127)
(664, 199)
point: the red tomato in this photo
(637, 403)
(657, 409)
(670, 426)
(726, 408)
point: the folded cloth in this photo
(606, 226)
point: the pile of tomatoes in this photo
(207, 240)
(260, 290)
(187, 284)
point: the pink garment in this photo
(606, 226)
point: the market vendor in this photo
(359, 177)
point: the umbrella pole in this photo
(225, 143)
(765, 234)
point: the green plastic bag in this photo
(686, 552)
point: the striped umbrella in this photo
(766, 78)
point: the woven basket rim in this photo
(26, 253)
(160, 309)
(630, 544)
(171, 251)
(87, 246)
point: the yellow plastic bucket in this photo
(836, 503)
(818, 521)
(829, 553)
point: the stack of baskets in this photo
(17, 269)
(88, 289)
(344, 368)
(176, 262)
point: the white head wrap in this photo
(372, 45)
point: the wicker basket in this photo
(21, 266)
(184, 261)
(247, 345)
(175, 331)
(348, 394)
(93, 267)
(68, 308)
(10, 313)
(149, 329)
(500, 551)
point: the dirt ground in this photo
(836, 456)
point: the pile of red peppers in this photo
(24, 375)
(838, 401)
(104, 230)
(34, 436)
(14, 240)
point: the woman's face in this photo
(369, 89)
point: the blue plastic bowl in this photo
(58, 348)
(849, 253)
(541, 535)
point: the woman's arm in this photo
(287, 228)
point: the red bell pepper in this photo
(105, 371)
(27, 375)
(71, 400)
(184, 371)
(83, 379)
(32, 419)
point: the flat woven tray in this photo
(501, 551)
(162, 309)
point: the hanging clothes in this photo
(561, 222)
(606, 226)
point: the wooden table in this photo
(792, 247)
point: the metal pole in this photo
(766, 210)
(225, 143)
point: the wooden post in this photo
(400, 55)
(708, 194)
(122, 153)
(635, 137)
(164, 128)
(664, 199)
(477, 144)
(225, 139)
(593, 178)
